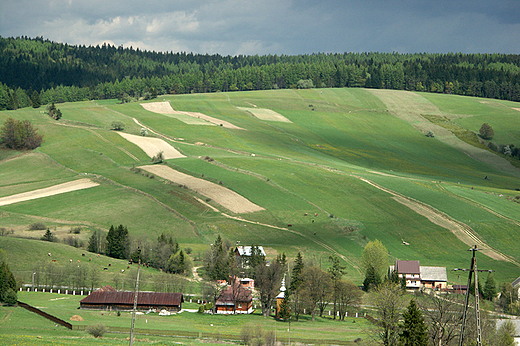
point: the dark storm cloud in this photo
(272, 26)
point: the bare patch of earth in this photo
(48, 191)
(409, 106)
(517, 109)
(221, 195)
(462, 231)
(166, 109)
(152, 146)
(265, 114)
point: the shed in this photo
(434, 277)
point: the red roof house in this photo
(235, 300)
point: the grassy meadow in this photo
(310, 173)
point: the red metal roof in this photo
(127, 298)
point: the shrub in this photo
(96, 330)
(75, 230)
(429, 134)
(144, 132)
(19, 135)
(492, 146)
(37, 226)
(117, 126)
(158, 158)
(486, 131)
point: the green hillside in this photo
(350, 166)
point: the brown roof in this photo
(226, 296)
(407, 267)
(127, 298)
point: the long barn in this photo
(107, 298)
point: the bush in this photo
(96, 330)
(37, 226)
(117, 126)
(486, 131)
(158, 158)
(19, 135)
(429, 134)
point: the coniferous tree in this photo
(414, 331)
(7, 282)
(490, 289)
(117, 242)
(295, 288)
(48, 236)
(35, 99)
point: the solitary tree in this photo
(48, 236)
(486, 131)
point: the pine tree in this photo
(117, 242)
(414, 331)
(285, 311)
(7, 282)
(48, 236)
(490, 288)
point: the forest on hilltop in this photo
(37, 71)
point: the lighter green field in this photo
(312, 164)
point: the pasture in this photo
(309, 172)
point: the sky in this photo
(234, 27)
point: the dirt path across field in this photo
(221, 195)
(152, 146)
(166, 109)
(462, 231)
(409, 106)
(49, 191)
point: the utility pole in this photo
(135, 299)
(473, 272)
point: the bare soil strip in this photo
(166, 109)
(221, 195)
(265, 114)
(462, 231)
(49, 191)
(409, 106)
(152, 146)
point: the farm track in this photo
(462, 231)
(483, 207)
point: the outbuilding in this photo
(107, 298)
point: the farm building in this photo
(235, 300)
(421, 276)
(107, 298)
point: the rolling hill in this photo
(328, 169)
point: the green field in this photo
(311, 165)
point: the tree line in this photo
(55, 72)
